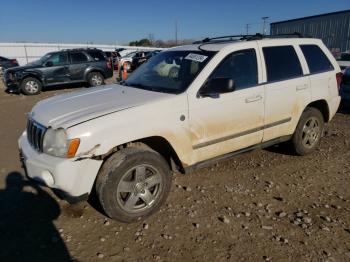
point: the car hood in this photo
(22, 68)
(73, 108)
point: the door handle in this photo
(253, 99)
(301, 87)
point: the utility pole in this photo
(176, 32)
(247, 28)
(264, 24)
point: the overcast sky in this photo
(110, 22)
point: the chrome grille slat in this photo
(35, 134)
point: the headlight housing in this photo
(56, 143)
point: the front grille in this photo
(35, 134)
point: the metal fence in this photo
(28, 52)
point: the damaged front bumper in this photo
(71, 179)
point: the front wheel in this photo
(95, 79)
(308, 133)
(31, 86)
(133, 184)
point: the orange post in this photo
(125, 72)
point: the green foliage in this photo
(142, 42)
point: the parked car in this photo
(137, 61)
(344, 60)
(345, 86)
(126, 61)
(228, 97)
(6, 63)
(62, 67)
(114, 56)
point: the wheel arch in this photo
(91, 70)
(33, 75)
(322, 106)
(156, 143)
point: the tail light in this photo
(14, 61)
(109, 63)
(339, 77)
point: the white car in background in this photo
(126, 61)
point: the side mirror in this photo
(216, 86)
(48, 64)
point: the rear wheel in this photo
(307, 135)
(95, 79)
(31, 86)
(133, 184)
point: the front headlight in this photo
(55, 143)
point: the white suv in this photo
(219, 98)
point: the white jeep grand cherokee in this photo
(219, 98)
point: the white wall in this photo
(27, 52)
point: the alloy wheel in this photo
(311, 132)
(139, 188)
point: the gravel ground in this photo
(267, 205)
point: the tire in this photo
(133, 184)
(96, 79)
(31, 86)
(308, 133)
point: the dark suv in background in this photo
(62, 67)
(7, 63)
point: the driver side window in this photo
(58, 59)
(241, 66)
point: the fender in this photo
(32, 73)
(91, 69)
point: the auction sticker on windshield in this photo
(196, 57)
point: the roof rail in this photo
(257, 36)
(78, 48)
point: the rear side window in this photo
(78, 57)
(316, 59)
(96, 55)
(281, 63)
(241, 66)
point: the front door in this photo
(229, 121)
(56, 69)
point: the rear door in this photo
(79, 61)
(287, 89)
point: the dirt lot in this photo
(262, 206)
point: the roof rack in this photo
(79, 48)
(230, 38)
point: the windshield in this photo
(42, 60)
(132, 54)
(170, 71)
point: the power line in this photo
(176, 32)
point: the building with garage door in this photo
(332, 28)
